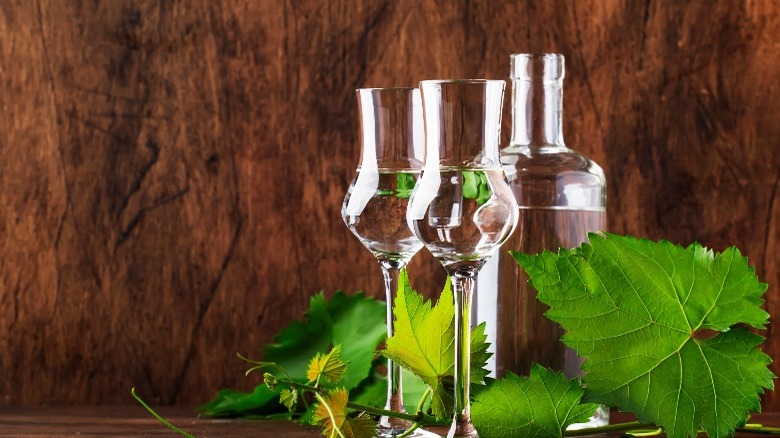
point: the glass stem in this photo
(391, 269)
(463, 289)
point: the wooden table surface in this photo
(130, 421)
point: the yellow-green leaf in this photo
(424, 343)
(362, 426)
(335, 412)
(289, 398)
(329, 365)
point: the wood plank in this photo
(129, 421)
(172, 172)
(105, 421)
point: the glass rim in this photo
(536, 55)
(546, 68)
(386, 89)
(461, 81)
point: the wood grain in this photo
(172, 171)
(128, 421)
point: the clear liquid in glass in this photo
(464, 213)
(375, 211)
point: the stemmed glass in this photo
(462, 208)
(374, 209)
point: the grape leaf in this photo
(641, 313)
(484, 189)
(328, 365)
(470, 185)
(361, 426)
(541, 406)
(289, 398)
(334, 411)
(230, 402)
(424, 343)
(475, 186)
(404, 184)
(354, 321)
(479, 354)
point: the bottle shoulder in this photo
(554, 176)
(547, 160)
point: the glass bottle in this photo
(561, 196)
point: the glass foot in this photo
(472, 434)
(462, 428)
(385, 432)
(600, 418)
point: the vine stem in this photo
(424, 420)
(637, 425)
(410, 430)
(608, 428)
(419, 419)
(760, 430)
(260, 365)
(385, 412)
(158, 416)
(418, 412)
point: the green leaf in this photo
(484, 188)
(361, 426)
(641, 314)
(359, 325)
(229, 402)
(475, 186)
(541, 406)
(371, 392)
(413, 388)
(289, 398)
(355, 321)
(404, 184)
(328, 365)
(424, 343)
(470, 184)
(479, 354)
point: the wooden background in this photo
(171, 172)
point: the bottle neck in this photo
(537, 110)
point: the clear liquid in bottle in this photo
(561, 197)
